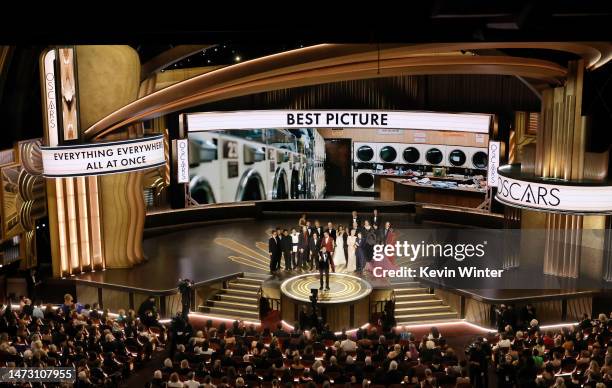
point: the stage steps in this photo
(238, 299)
(414, 304)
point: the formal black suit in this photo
(313, 247)
(377, 220)
(303, 249)
(32, 282)
(318, 230)
(324, 260)
(332, 233)
(286, 247)
(371, 237)
(275, 251)
(351, 220)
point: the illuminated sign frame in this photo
(493, 164)
(103, 158)
(182, 161)
(255, 119)
(566, 197)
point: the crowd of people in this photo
(571, 357)
(106, 348)
(343, 247)
(103, 348)
(241, 356)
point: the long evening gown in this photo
(351, 264)
(339, 258)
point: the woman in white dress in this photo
(351, 241)
(339, 257)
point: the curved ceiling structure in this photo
(336, 62)
(169, 57)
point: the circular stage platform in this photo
(343, 288)
(345, 305)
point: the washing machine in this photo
(479, 159)
(413, 153)
(204, 168)
(295, 178)
(365, 152)
(279, 186)
(458, 156)
(435, 155)
(389, 153)
(363, 180)
(229, 169)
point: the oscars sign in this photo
(103, 158)
(566, 197)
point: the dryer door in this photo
(365, 180)
(365, 153)
(480, 159)
(457, 158)
(388, 154)
(434, 156)
(411, 155)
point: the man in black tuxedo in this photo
(331, 231)
(274, 249)
(317, 228)
(386, 232)
(313, 246)
(371, 237)
(304, 247)
(309, 228)
(33, 283)
(286, 247)
(354, 218)
(376, 218)
(324, 260)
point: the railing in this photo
(274, 303)
(378, 307)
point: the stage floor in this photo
(213, 251)
(220, 249)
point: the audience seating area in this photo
(239, 356)
(105, 349)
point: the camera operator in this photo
(180, 332)
(185, 287)
(478, 355)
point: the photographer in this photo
(180, 332)
(185, 287)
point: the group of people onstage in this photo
(340, 248)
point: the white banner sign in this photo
(182, 161)
(257, 119)
(103, 158)
(493, 164)
(49, 96)
(551, 197)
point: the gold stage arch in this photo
(337, 62)
(113, 99)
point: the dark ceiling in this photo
(259, 30)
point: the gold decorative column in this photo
(95, 222)
(109, 78)
(560, 155)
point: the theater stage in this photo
(214, 253)
(215, 250)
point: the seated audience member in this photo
(394, 376)
(174, 381)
